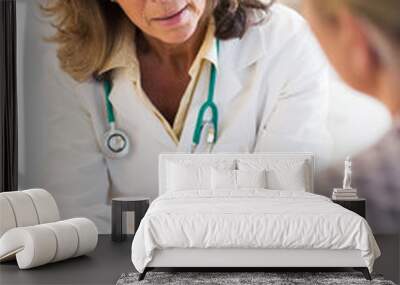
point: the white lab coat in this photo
(272, 96)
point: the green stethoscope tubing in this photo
(209, 104)
(110, 112)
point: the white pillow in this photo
(222, 179)
(189, 174)
(291, 179)
(281, 174)
(252, 179)
(187, 177)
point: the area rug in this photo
(253, 278)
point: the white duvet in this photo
(251, 218)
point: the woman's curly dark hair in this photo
(87, 30)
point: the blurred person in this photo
(362, 40)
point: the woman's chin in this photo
(177, 37)
(176, 41)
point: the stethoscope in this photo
(117, 143)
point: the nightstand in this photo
(357, 206)
(139, 205)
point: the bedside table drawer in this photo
(356, 206)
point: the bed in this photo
(247, 211)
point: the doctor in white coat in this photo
(270, 92)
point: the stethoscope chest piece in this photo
(116, 143)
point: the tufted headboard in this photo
(269, 158)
